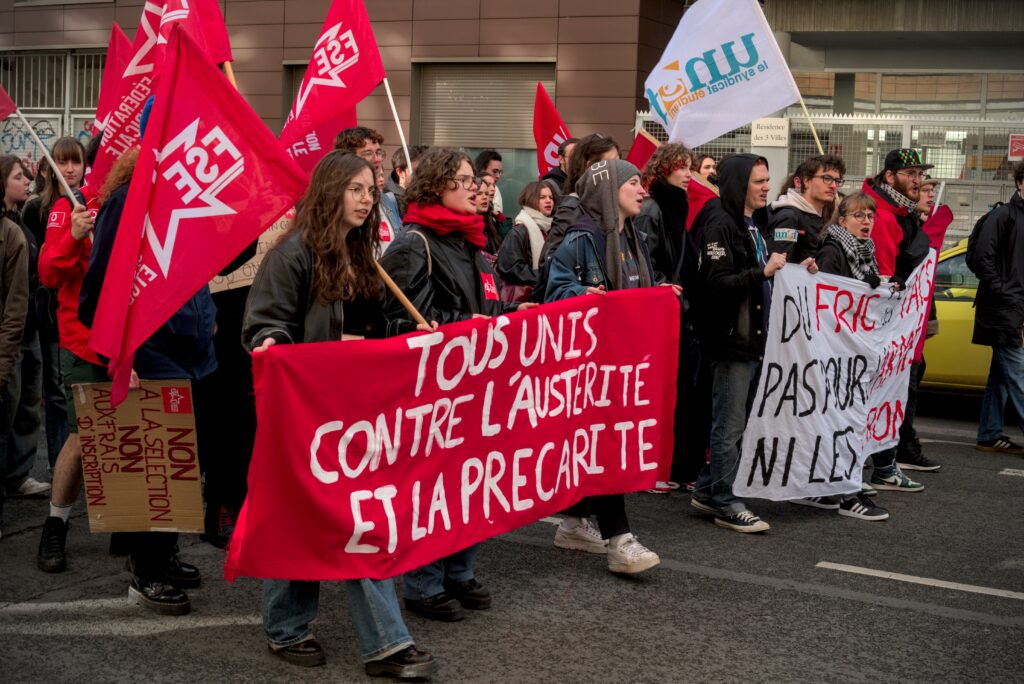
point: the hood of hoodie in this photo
(393, 186)
(598, 189)
(794, 199)
(881, 199)
(733, 178)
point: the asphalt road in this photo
(721, 607)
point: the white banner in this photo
(833, 383)
(721, 70)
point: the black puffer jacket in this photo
(999, 264)
(445, 285)
(666, 244)
(730, 299)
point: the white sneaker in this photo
(31, 487)
(583, 537)
(631, 557)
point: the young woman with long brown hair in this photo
(317, 284)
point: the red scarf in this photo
(443, 221)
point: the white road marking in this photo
(942, 584)
(1012, 471)
(925, 440)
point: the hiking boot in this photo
(828, 503)
(583, 537)
(631, 557)
(409, 663)
(471, 594)
(897, 482)
(441, 607)
(862, 508)
(29, 487)
(306, 653)
(52, 557)
(744, 521)
(1001, 445)
(159, 597)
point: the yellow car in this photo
(953, 362)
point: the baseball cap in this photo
(905, 158)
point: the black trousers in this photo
(692, 428)
(149, 553)
(610, 511)
(908, 435)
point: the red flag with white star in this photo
(344, 68)
(209, 179)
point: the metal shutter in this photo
(480, 105)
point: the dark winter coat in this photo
(999, 264)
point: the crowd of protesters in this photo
(593, 224)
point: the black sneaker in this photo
(470, 594)
(862, 508)
(744, 521)
(441, 607)
(306, 653)
(182, 575)
(409, 663)
(1001, 445)
(52, 557)
(914, 459)
(159, 597)
(828, 503)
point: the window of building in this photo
(959, 94)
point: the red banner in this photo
(549, 130)
(344, 68)
(644, 145)
(119, 51)
(210, 178)
(7, 105)
(204, 23)
(475, 430)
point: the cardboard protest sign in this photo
(375, 457)
(833, 384)
(244, 274)
(140, 459)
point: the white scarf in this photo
(537, 227)
(793, 198)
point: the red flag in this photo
(698, 192)
(119, 50)
(549, 130)
(204, 23)
(436, 454)
(643, 147)
(935, 228)
(7, 106)
(210, 178)
(344, 68)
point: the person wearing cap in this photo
(602, 250)
(734, 289)
(900, 246)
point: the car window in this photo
(953, 280)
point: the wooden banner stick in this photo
(46, 153)
(400, 296)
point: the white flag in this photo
(721, 70)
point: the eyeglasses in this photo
(862, 215)
(831, 180)
(360, 192)
(468, 182)
(918, 175)
(372, 154)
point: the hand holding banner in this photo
(477, 429)
(209, 179)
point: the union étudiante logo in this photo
(690, 86)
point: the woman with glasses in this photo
(318, 283)
(439, 264)
(847, 250)
(798, 217)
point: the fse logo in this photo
(333, 53)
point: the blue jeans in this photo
(733, 386)
(288, 607)
(1005, 381)
(429, 580)
(25, 394)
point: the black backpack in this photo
(972, 239)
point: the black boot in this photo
(408, 663)
(441, 607)
(218, 524)
(181, 575)
(51, 556)
(308, 653)
(471, 594)
(159, 597)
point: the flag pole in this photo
(400, 296)
(53, 165)
(230, 73)
(811, 124)
(398, 124)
